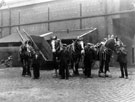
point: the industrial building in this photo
(41, 16)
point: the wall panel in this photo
(64, 25)
(36, 29)
(32, 14)
(92, 7)
(65, 9)
(13, 30)
(15, 16)
(6, 18)
(5, 32)
(96, 23)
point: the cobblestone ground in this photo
(14, 88)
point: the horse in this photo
(76, 49)
(26, 53)
(56, 46)
(106, 50)
(61, 58)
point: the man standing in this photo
(64, 61)
(36, 65)
(88, 60)
(122, 59)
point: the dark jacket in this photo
(36, 61)
(122, 56)
(89, 54)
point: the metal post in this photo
(106, 19)
(80, 16)
(1, 22)
(48, 19)
(19, 20)
(9, 21)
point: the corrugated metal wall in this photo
(58, 15)
(40, 18)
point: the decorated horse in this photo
(76, 49)
(106, 50)
(61, 57)
(73, 50)
(26, 53)
(56, 46)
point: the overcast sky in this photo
(13, 1)
(10, 1)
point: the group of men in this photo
(121, 58)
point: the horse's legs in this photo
(24, 67)
(107, 71)
(28, 68)
(76, 68)
(72, 66)
(101, 68)
(106, 66)
(66, 71)
(55, 64)
(107, 61)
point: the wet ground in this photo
(15, 88)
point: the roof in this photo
(69, 34)
(60, 34)
(11, 38)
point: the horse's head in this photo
(79, 45)
(56, 45)
(28, 45)
(114, 43)
(90, 45)
(53, 43)
(111, 44)
(27, 49)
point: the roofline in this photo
(75, 30)
(24, 5)
(87, 32)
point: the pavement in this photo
(15, 88)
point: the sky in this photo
(11, 1)
(14, 1)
